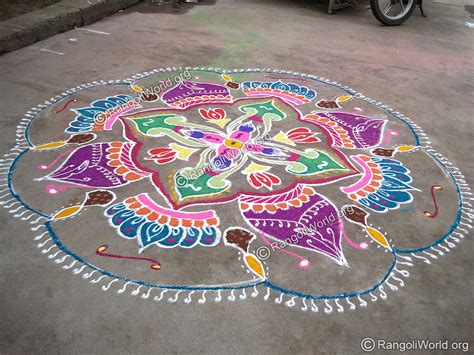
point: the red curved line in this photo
(435, 213)
(65, 105)
(101, 253)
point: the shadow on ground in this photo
(13, 8)
(167, 8)
(149, 7)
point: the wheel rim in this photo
(395, 9)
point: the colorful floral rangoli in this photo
(201, 184)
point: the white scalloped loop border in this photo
(393, 282)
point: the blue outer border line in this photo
(60, 245)
(76, 257)
(453, 227)
(28, 126)
(12, 189)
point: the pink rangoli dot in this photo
(304, 264)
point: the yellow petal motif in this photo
(51, 145)
(281, 137)
(255, 266)
(136, 88)
(183, 152)
(378, 237)
(226, 77)
(405, 148)
(252, 167)
(67, 212)
(343, 98)
(220, 123)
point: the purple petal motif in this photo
(88, 166)
(310, 223)
(363, 132)
(188, 93)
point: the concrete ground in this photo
(423, 69)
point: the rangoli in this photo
(199, 184)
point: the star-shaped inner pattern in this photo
(233, 149)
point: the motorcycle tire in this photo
(379, 14)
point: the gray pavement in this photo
(424, 69)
